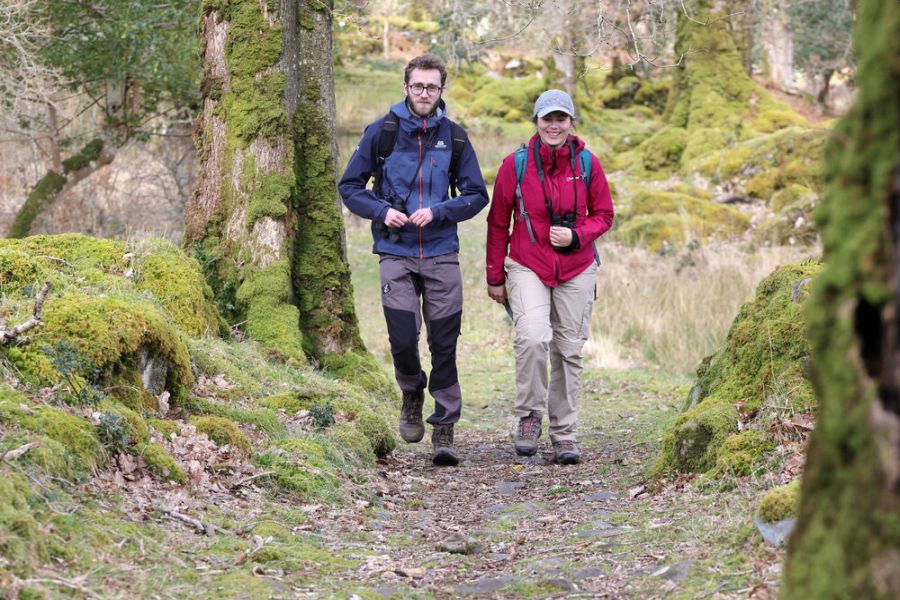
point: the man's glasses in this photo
(418, 88)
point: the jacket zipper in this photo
(421, 162)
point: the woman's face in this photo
(554, 128)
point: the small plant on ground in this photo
(69, 363)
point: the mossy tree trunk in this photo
(847, 540)
(710, 72)
(53, 185)
(265, 220)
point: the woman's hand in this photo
(497, 293)
(421, 217)
(561, 237)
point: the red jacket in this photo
(594, 215)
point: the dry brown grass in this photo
(670, 311)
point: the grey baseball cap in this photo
(553, 101)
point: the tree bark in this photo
(264, 219)
(51, 186)
(847, 540)
(778, 46)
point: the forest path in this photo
(504, 526)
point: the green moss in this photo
(663, 150)
(18, 270)
(136, 428)
(265, 420)
(846, 540)
(656, 219)
(363, 370)
(271, 319)
(49, 457)
(222, 431)
(254, 108)
(292, 402)
(377, 431)
(165, 427)
(762, 361)
(160, 462)
(43, 192)
(251, 45)
(353, 443)
(269, 193)
(740, 453)
(21, 540)
(691, 442)
(84, 157)
(764, 164)
(75, 434)
(81, 251)
(175, 280)
(301, 466)
(110, 333)
(321, 275)
(780, 503)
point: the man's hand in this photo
(395, 218)
(497, 293)
(421, 217)
(561, 237)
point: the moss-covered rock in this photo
(17, 270)
(763, 360)
(657, 219)
(762, 165)
(222, 431)
(160, 462)
(378, 432)
(742, 452)
(175, 281)
(780, 503)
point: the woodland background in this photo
(201, 404)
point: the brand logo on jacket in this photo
(386, 288)
(440, 145)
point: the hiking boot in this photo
(443, 453)
(528, 433)
(412, 428)
(565, 452)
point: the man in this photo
(414, 229)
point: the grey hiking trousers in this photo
(438, 282)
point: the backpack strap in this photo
(586, 160)
(521, 165)
(459, 139)
(584, 157)
(386, 140)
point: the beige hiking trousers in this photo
(550, 323)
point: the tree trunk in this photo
(51, 186)
(847, 540)
(778, 46)
(710, 69)
(264, 219)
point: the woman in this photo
(546, 270)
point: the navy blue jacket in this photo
(425, 187)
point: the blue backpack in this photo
(584, 161)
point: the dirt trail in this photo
(504, 526)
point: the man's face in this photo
(424, 103)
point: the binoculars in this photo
(564, 220)
(391, 233)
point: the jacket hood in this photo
(411, 122)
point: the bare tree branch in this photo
(35, 320)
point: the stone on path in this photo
(457, 543)
(485, 585)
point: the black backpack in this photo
(389, 127)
